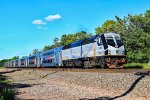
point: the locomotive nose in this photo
(115, 51)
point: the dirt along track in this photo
(97, 70)
(79, 84)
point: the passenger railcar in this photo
(32, 61)
(16, 63)
(51, 58)
(24, 62)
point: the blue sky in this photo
(29, 24)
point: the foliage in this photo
(108, 26)
(6, 60)
(3, 79)
(135, 33)
(56, 42)
(5, 92)
(67, 39)
(35, 51)
(137, 65)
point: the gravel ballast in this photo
(65, 85)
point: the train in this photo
(104, 51)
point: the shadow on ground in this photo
(15, 85)
(11, 71)
(141, 76)
(7, 89)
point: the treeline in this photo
(6, 60)
(134, 31)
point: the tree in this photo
(108, 26)
(35, 51)
(14, 58)
(56, 42)
(67, 39)
(6, 60)
(3, 61)
(48, 47)
(82, 35)
(70, 38)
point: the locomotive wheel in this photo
(87, 64)
(102, 63)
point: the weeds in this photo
(6, 93)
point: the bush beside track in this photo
(137, 65)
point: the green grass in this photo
(6, 93)
(4, 80)
(1, 66)
(137, 65)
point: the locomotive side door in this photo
(100, 47)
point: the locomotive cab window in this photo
(118, 40)
(110, 41)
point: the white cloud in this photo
(39, 22)
(42, 28)
(52, 17)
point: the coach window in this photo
(48, 61)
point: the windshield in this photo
(110, 41)
(118, 40)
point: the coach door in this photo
(38, 61)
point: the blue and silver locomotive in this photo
(105, 50)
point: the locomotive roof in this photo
(79, 42)
(34, 55)
(55, 49)
(76, 43)
(93, 37)
(85, 41)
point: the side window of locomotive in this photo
(99, 42)
(118, 40)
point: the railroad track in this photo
(90, 70)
